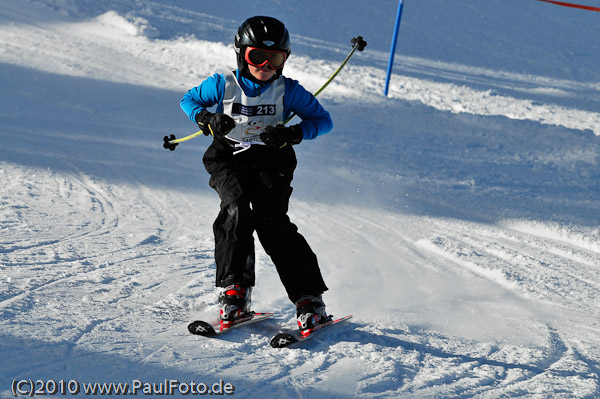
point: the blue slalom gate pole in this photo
(393, 48)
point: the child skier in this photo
(251, 164)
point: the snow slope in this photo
(457, 219)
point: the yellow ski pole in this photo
(357, 44)
(170, 142)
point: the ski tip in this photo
(336, 320)
(282, 340)
(203, 328)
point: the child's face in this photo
(262, 74)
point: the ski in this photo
(288, 338)
(213, 329)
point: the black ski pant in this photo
(254, 188)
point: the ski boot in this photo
(234, 305)
(310, 313)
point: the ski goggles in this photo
(259, 58)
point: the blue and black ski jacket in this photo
(297, 100)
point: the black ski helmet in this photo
(263, 32)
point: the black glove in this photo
(279, 136)
(217, 125)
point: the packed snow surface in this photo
(457, 219)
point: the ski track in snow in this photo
(102, 266)
(391, 357)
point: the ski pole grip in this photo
(359, 43)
